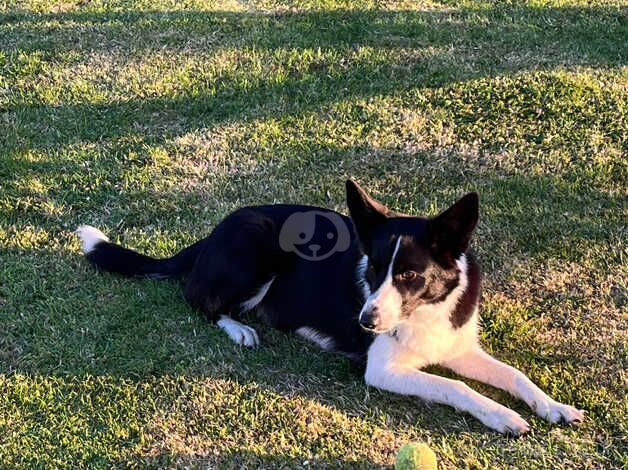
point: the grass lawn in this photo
(152, 120)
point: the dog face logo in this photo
(314, 235)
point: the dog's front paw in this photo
(506, 421)
(244, 336)
(239, 333)
(555, 412)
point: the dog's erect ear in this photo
(367, 214)
(451, 230)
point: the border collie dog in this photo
(394, 291)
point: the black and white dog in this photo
(396, 291)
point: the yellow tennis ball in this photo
(415, 456)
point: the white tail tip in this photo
(90, 237)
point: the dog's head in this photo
(412, 261)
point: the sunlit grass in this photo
(153, 120)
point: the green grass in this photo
(152, 120)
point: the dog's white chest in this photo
(432, 339)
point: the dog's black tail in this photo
(117, 259)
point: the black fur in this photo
(244, 252)
(117, 259)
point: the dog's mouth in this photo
(376, 330)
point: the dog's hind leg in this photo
(233, 272)
(479, 365)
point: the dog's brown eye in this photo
(408, 275)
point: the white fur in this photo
(429, 332)
(323, 341)
(360, 273)
(392, 367)
(428, 337)
(479, 365)
(254, 301)
(239, 333)
(90, 237)
(386, 299)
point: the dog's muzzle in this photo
(369, 319)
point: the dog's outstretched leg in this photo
(390, 371)
(450, 392)
(479, 365)
(234, 272)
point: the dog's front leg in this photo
(386, 371)
(479, 365)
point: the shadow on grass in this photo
(435, 48)
(587, 28)
(537, 215)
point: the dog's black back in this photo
(244, 252)
(247, 250)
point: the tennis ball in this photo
(415, 456)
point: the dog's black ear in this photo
(367, 214)
(451, 230)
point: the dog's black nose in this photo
(367, 324)
(368, 320)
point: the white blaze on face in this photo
(386, 299)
